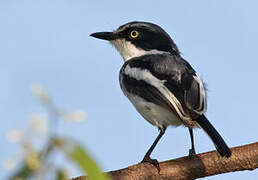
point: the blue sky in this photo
(48, 42)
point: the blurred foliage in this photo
(61, 174)
(40, 163)
(78, 154)
(24, 172)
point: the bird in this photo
(160, 83)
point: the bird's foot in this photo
(192, 153)
(154, 162)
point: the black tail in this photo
(219, 143)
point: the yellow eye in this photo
(134, 34)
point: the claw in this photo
(154, 162)
(191, 153)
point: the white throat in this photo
(129, 50)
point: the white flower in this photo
(10, 164)
(75, 116)
(38, 90)
(39, 123)
(15, 135)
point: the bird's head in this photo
(135, 39)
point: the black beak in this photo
(104, 35)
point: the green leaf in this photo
(86, 163)
(74, 151)
(61, 175)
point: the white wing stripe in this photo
(146, 76)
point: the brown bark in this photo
(185, 168)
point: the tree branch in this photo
(185, 168)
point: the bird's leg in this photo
(147, 155)
(192, 150)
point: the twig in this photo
(206, 164)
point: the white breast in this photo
(154, 114)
